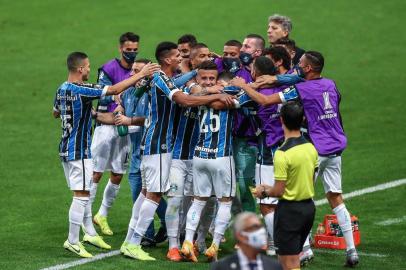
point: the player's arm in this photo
(55, 111)
(104, 79)
(254, 95)
(56, 114)
(147, 70)
(198, 90)
(184, 78)
(284, 79)
(194, 101)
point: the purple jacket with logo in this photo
(321, 100)
(109, 74)
(269, 118)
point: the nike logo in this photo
(76, 250)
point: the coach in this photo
(295, 164)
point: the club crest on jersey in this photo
(164, 147)
(327, 104)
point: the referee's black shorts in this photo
(293, 222)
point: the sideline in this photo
(355, 193)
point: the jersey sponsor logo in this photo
(205, 149)
(67, 97)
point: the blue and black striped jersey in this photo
(215, 139)
(159, 124)
(74, 103)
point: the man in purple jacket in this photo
(321, 100)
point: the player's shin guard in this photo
(93, 192)
(146, 216)
(134, 216)
(193, 218)
(172, 220)
(109, 196)
(344, 220)
(88, 221)
(222, 220)
(76, 214)
(208, 214)
(269, 219)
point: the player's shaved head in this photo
(259, 41)
(75, 60)
(194, 50)
(163, 50)
(315, 60)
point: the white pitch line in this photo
(363, 191)
(341, 252)
(83, 261)
(391, 221)
(318, 202)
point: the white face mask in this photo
(256, 239)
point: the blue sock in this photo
(161, 211)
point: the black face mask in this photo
(231, 64)
(129, 57)
(299, 71)
(246, 58)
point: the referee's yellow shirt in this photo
(295, 163)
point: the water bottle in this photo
(121, 129)
(143, 87)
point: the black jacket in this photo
(231, 262)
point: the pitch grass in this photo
(363, 43)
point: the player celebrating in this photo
(213, 166)
(73, 104)
(321, 100)
(110, 151)
(157, 144)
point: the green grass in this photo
(362, 41)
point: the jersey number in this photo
(214, 121)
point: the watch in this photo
(263, 193)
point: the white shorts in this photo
(181, 178)
(330, 173)
(264, 174)
(78, 174)
(216, 175)
(109, 150)
(155, 172)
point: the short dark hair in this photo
(316, 60)
(264, 66)
(163, 49)
(278, 53)
(187, 38)
(259, 38)
(226, 76)
(289, 43)
(196, 47)
(292, 114)
(208, 65)
(142, 60)
(129, 36)
(234, 43)
(74, 60)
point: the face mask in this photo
(256, 239)
(129, 57)
(246, 58)
(231, 64)
(299, 70)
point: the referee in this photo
(295, 164)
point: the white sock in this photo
(134, 216)
(145, 218)
(269, 219)
(76, 214)
(193, 218)
(222, 220)
(344, 220)
(87, 220)
(207, 217)
(109, 196)
(172, 220)
(93, 192)
(306, 245)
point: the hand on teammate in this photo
(228, 100)
(215, 89)
(260, 191)
(238, 81)
(150, 69)
(122, 120)
(265, 80)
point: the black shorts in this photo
(293, 222)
